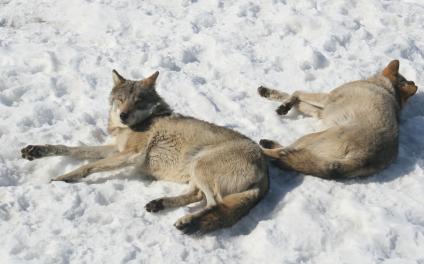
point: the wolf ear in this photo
(392, 70)
(117, 78)
(150, 81)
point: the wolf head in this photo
(404, 89)
(134, 102)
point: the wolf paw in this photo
(65, 179)
(32, 152)
(154, 206)
(335, 170)
(264, 92)
(269, 144)
(188, 224)
(283, 109)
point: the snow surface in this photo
(56, 59)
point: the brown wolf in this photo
(221, 166)
(362, 120)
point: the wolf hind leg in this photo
(193, 195)
(224, 214)
(201, 176)
(306, 162)
(309, 110)
(315, 99)
(232, 183)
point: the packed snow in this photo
(56, 59)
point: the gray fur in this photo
(362, 120)
(216, 162)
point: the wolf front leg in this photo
(32, 152)
(118, 161)
(191, 196)
(272, 94)
(310, 104)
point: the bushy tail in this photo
(224, 214)
(303, 161)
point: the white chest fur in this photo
(114, 120)
(121, 139)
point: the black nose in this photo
(123, 116)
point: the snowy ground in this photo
(56, 59)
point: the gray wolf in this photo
(225, 169)
(362, 126)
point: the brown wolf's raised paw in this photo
(283, 109)
(266, 143)
(154, 206)
(269, 144)
(32, 152)
(263, 91)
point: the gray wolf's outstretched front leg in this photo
(118, 161)
(32, 152)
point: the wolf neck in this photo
(387, 85)
(115, 127)
(383, 82)
(161, 110)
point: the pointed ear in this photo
(407, 90)
(117, 78)
(392, 70)
(150, 81)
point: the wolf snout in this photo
(123, 116)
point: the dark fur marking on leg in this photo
(336, 171)
(267, 143)
(199, 224)
(284, 109)
(32, 152)
(154, 206)
(264, 92)
(189, 228)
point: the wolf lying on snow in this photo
(223, 167)
(363, 126)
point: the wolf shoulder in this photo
(197, 130)
(365, 102)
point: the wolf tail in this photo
(226, 213)
(303, 161)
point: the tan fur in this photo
(221, 166)
(362, 120)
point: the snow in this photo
(56, 59)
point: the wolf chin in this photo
(223, 168)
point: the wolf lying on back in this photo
(221, 166)
(363, 126)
